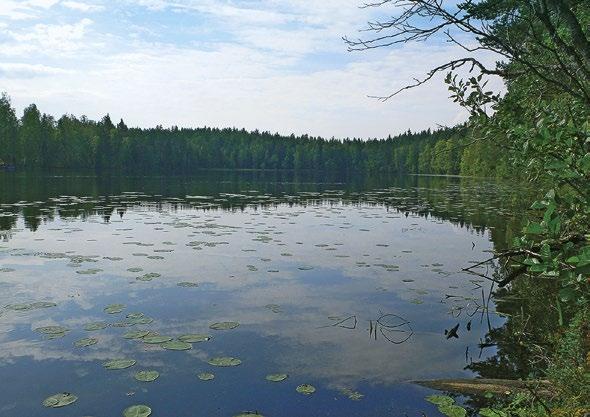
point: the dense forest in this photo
(36, 141)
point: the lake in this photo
(345, 287)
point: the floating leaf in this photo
(275, 308)
(188, 284)
(452, 410)
(276, 377)
(114, 308)
(205, 376)
(351, 394)
(85, 342)
(56, 336)
(137, 411)
(224, 361)
(148, 277)
(249, 414)
(136, 335)
(440, 400)
(60, 400)
(118, 364)
(305, 389)
(147, 376)
(92, 327)
(177, 345)
(140, 320)
(194, 338)
(19, 307)
(43, 304)
(225, 325)
(52, 330)
(156, 340)
(92, 271)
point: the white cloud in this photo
(269, 65)
(243, 87)
(82, 7)
(52, 38)
(20, 70)
(27, 9)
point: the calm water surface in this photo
(348, 287)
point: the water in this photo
(347, 286)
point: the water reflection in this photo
(342, 286)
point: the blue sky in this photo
(277, 65)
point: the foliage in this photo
(83, 144)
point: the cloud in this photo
(19, 70)
(27, 9)
(82, 7)
(52, 38)
(269, 65)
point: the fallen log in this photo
(480, 386)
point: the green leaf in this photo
(60, 400)
(137, 411)
(440, 400)
(305, 389)
(452, 410)
(534, 229)
(491, 412)
(573, 260)
(147, 376)
(567, 294)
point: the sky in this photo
(271, 65)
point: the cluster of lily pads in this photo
(183, 342)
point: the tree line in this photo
(39, 142)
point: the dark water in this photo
(347, 286)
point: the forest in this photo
(37, 142)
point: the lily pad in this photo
(43, 304)
(276, 377)
(224, 361)
(250, 414)
(156, 340)
(194, 338)
(148, 277)
(188, 284)
(19, 307)
(60, 400)
(177, 345)
(136, 335)
(92, 327)
(147, 376)
(305, 389)
(440, 400)
(140, 321)
(351, 394)
(205, 376)
(118, 364)
(52, 330)
(224, 325)
(114, 308)
(452, 410)
(137, 411)
(56, 336)
(89, 341)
